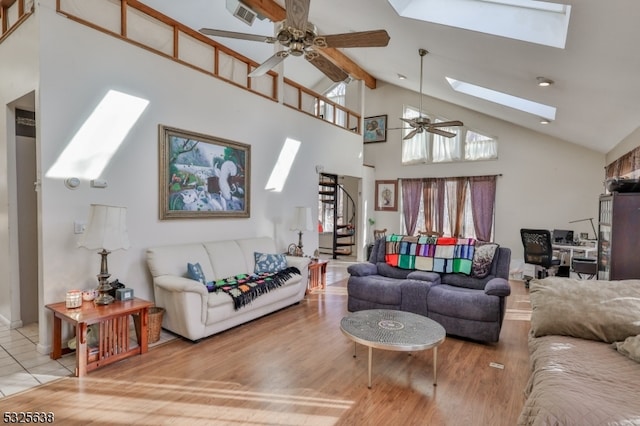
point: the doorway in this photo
(25, 188)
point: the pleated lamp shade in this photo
(106, 229)
(302, 219)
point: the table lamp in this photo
(302, 222)
(590, 219)
(106, 230)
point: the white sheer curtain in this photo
(447, 149)
(414, 150)
(479, 147)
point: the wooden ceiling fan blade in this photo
(297, 14)
(373, 38)
(334, 72)
(452, 123)
(413, 133)
(269, 63)
(440, 132)
(240, 36)
(410, 121)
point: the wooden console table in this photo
(113, 341)
(317, 274)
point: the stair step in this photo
(345, 252)
(327, 192)
(338, 244)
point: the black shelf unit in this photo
(618, 236)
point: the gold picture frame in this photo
(203, 176)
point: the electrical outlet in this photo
(79, 227)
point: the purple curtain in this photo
(483, 197)
(433, 199)
(411, 192)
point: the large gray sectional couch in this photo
(466, 306)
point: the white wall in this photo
(79, 65)
(20, 62)
(545, 183)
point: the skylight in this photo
(533, 21)
(282, 167)
(100, 136)
(535, 108)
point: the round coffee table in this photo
(394, 331)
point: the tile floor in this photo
(22, 367)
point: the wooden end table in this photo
(113, 341)
(317, 274)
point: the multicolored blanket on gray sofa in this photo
(433, 254)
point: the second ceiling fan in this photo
(421, 123)
(300, 37)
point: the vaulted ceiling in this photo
(596, 86)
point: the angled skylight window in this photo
(533, 21)
(535, 108)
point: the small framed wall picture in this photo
(375, 129)
(386, 195)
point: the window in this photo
(428, 147)
(337, 93)
(479, 147)
(458, 207)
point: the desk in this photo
(586, 251)
(113, 338)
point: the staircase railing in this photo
(12, 14)
(145, 27)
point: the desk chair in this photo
(538, 252)
(585, 266)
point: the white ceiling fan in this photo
(422, 123)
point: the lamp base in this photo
(104, 298)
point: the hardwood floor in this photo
(295, 367)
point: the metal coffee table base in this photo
(395, 331)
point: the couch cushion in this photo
(465, 281)
(389, 271)
(589, 309)
(269, 262)
(226, 259)
(459, 302)
(194, 271)
(483, 258)
(249, 246)
(382, 290)
(173, 259)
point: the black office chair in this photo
(538, 251)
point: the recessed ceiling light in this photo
(544, 82)
(402, 77)
(545, 121)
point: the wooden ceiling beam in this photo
(274, 12)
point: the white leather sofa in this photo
(194, 313)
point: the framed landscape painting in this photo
(375, 129)
(202, 176)
(386, 195)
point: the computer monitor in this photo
(562, 236)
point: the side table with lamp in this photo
(107, 231)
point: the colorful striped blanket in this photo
(433, 254)
(244, 288)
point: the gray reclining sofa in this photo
(465, 305)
